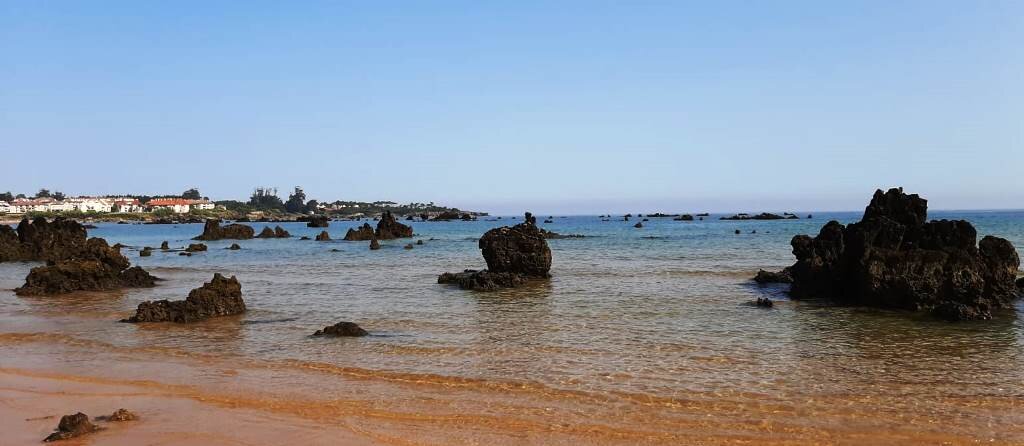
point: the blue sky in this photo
(559, 107)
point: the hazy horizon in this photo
(568, 108)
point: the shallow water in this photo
(641, 336)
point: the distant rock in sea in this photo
(318, 221)
(345, 329)
(218, 297)
(684, 217)
(387, 228)
(894, 258)
(277, 232)
(783, 276)
(214, 231)
(323, 236)
(761, 216)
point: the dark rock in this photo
(318, 221)
(97, 267)
(196, 247)
(519, 249)
(764, 302)
(374, 244)
(1020, 283)
(214, 231)
(364, 232)
(482, 280)
(323, 236)
(810, 216)
(305, 238)
(549, 235)
(638, 225)
(388, 228)
(72, 426)
(348, 329)
(783, 276)
(447, 215)
(279, 232)
(164, 246)
(408, 246)
(267, 233)
(736, 231)
(183, 253)
(42, 240)
(684, 217)
(893, 258)
(419, 242)
(549, 221)
(119, 415)
(234, 247)
(761, 216)
(218, 297)
(145, 252)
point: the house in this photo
(85, 204)
(130, 205)
(204, 205)
(176, 205)
(6, 208)
(25, 205)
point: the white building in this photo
(176, 205)
(130, 205)
(25, 205)
(6, 208)
(87, 204)
(201, 205)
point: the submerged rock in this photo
(349, 329)
(893, 258)
(408, 246)
(783, 276)
(764, 302)
(482, 280)
(234, 247)
(218, 297)
(214, 231)
(72, 426)
(638, 225)
(119, 415)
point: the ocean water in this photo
(641, 336)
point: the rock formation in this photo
(218, 297)
(72, 426)
(387, 228)
(41, 240)
(783, 276)
(761, 216)
(318, 221)
(374, 244)
(164, 246)
(214, 231)
(894, 258)
(323, 236)
(513, 254)
(234, 247)
(119, 415)
(196, 247)
(349, 329)
(96, 267)
(684, 217)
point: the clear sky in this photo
(555, 106)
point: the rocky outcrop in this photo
(783, 276)
(893, 258)
(761, 216)
(119, 415)
(318, 221)
(482, 280)
(214, 231)
(97, 267)
(513, 254)
(349, 329)
(453, 215)
(387, 228)
(323, 236)
(549, 235)
(196, 247)
(72, 426)
(374, 244)
(164, 246)
(684, 217)
(219, 297)
(234, 247)
(42, 240)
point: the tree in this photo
(191, 194)
(6, 196)
(296, 201)
(43, 193)
(59, 196)
(20, 196)
(265, 199)
(311, 206)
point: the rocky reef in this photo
(214, 231)
(95, 266)
(277, 232)
(42, 240)
(350, 329)
(894, 258)
(72, 426)
(387, 228)
(513, 255)
(219, 297)
(761, 216)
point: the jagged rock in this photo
(764, 302)
(323, 236)
(447, 215)
(348, 329)
(218, 297)
(388, 228)
(364, 232)
(482, 280)
(196, 247)
(894, 258)
(234, 247)
(42, 240)
(145, 252)
(119, 415)
(374, 244)
(318, 221)
(267, 233)
(97, 267)
(72, 426)
(279, 232)
(164, 246)
(783, 276)
(513, 254)
(214, 231)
